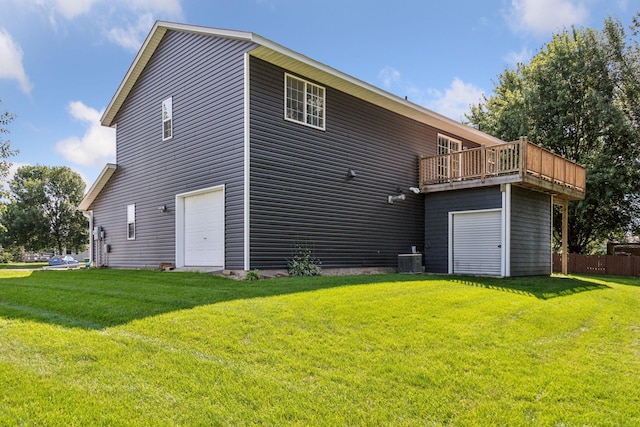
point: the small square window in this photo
(167, 119)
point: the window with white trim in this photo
(131, 222)
(304, 102)
(448, 166)
(167, 119)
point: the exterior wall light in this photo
(162, 208)
(391, 199)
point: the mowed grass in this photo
(22, 265)
(103, 347)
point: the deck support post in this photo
(565, 235)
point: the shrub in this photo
(253, 275)
(6, 258)
(304, 263)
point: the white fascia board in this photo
(277, 54)
(97, 186)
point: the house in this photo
(233, 150)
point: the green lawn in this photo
(103, 347)
(22, 265)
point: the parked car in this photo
(63, 261)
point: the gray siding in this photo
(530, 233)
(205, 77)
(300, 192)
(437, 208)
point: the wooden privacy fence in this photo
(599, 264)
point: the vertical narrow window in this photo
(167, 119)
(131, 222)
(304, 102)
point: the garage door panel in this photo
(204, 229)
(477, 238)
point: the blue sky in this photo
(62, 60)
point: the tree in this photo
(5, 148)
(42, 212)
(579, 98)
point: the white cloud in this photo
(389, 76)
(131, 37)
(455, 100)
(545, 16)
(165, 7)
(11, 66)
(96, 147)
(515, 58)
(72, 8)
(124, 22)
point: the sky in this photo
(61, 61)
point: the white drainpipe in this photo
(89, 216)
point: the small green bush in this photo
(253, 275)
(6, 258)
(304, 263)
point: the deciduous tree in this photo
(42, 212)
(5, 148)
(579, 96)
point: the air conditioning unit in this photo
(410, 263)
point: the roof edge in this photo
(104, 177)
(449, 123)
(147, 49)
(403, 106)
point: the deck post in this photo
(565, 235)
(483, 163)
(524, 146)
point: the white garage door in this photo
(477, 238)
(204, 229)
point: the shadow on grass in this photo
(96, 299)
(541, 287)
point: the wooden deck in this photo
(519, 162)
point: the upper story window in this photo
(131, 222)
(167, 119)
(304, 102)
(448, 145)
(448, 166)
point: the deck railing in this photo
(513, 158)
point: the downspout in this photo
(89, 216)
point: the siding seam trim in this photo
(506, 223)
(450, 243)
(247, 161)
(551, 232)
